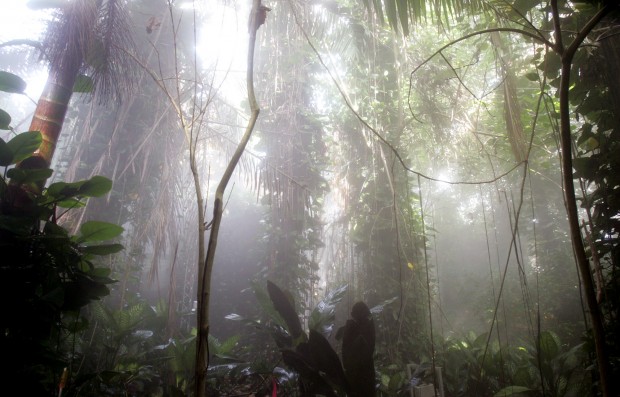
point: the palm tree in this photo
(86, 37)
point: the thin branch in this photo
(461, 82)
(257, 16)
(537, 37)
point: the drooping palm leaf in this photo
(403, 13)
(92, 37)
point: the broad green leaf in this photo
(71, 202)
(229, 344)
(532, 76)
(5, 120)
(11, 83)
(549, 345)
(103, 249)
(511, 391)
(63, 190)
(6, 155)
(589, 144)
(23, 145)
(98, 231)
(95, 186)
(100, 272)
(83, 84)
(395, 381)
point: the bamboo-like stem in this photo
(205, 271)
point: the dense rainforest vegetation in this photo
(321, 197)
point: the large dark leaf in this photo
(286, 308)
(5, 120)
(20, 176)
(312, 381)
(62, 190)
(82, 291)
(326, 360)
(11, 83)
(6, 155)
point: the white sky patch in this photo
(17, 21)
(222, 46)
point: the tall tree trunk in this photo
(566, 142)
(51, 109)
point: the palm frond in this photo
(112, 70)
(401, 14)
(69, 34)
(93, 37)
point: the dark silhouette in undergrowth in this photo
(47, 275)
(320, 370)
